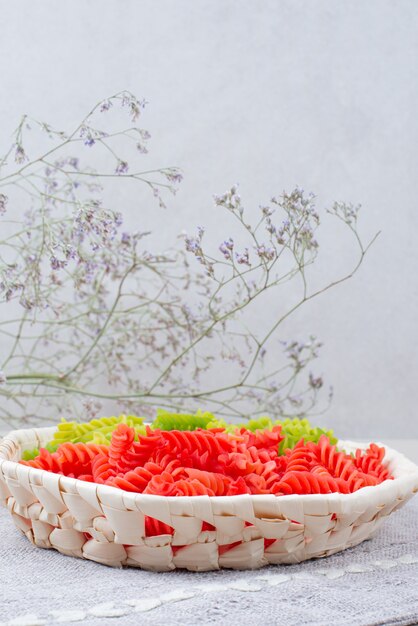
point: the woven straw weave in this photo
(107, 525)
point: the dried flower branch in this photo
(91, 315)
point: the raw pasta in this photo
(214, 462)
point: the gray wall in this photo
(267, 94)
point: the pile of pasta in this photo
(214, 460)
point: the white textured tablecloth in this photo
(375, 583)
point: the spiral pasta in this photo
(102, 470)
(181, 421)
(44, 460)
(217, 484)
(212, 461)
(79, 453)
(121, 442)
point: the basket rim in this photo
(406, 470)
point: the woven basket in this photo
(107, 525)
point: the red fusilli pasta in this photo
(214, 463)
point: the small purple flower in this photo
(226, 248)
(56, 264)
(70, 253)
(315, 383)
(134, 105)
(192, 245)
(141, 148)
(122, 167)
(106, 105)
(118, 220)
(26, 303)
(244, 258)
(270, 227)
(174, 177)
(20, 155)
(89, 269)
(144, 134)
(3, 202)
(266, 253)
(266, 211)
(230, 200)
(73, 162)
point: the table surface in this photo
(371, 584)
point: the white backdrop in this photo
(266, 93)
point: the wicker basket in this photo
(107, 525)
